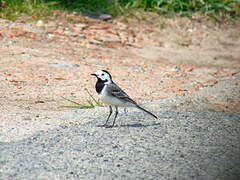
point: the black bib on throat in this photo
(100, 85)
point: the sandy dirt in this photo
(42, 61)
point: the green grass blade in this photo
(74, 102)
(91, 96)
(78, 107)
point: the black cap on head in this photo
(108, 73)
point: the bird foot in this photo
(103, 125)
(110, 126)
(107, 126)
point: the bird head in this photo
(103, 75)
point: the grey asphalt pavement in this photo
(180, 145)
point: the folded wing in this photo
(117, 92)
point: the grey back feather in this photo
(117, 92)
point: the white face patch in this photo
(103, 76)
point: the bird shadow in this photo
(140, 125)
(136, 125)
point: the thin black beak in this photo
(94, 75)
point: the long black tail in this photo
(139, 107)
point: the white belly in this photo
(111, 100)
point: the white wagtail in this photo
(113, 95)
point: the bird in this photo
(113, 96)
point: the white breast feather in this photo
(111, 100)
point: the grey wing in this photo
(116, 91)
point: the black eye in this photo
(102, 74)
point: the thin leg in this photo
(115, 115)
(110, 113)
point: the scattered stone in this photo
(40, 23)
(66, 66)
(39, 101)
(50, 36)
(105, 17)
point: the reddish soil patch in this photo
(42, 61)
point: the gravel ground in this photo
(180, 145)
(191, 72)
